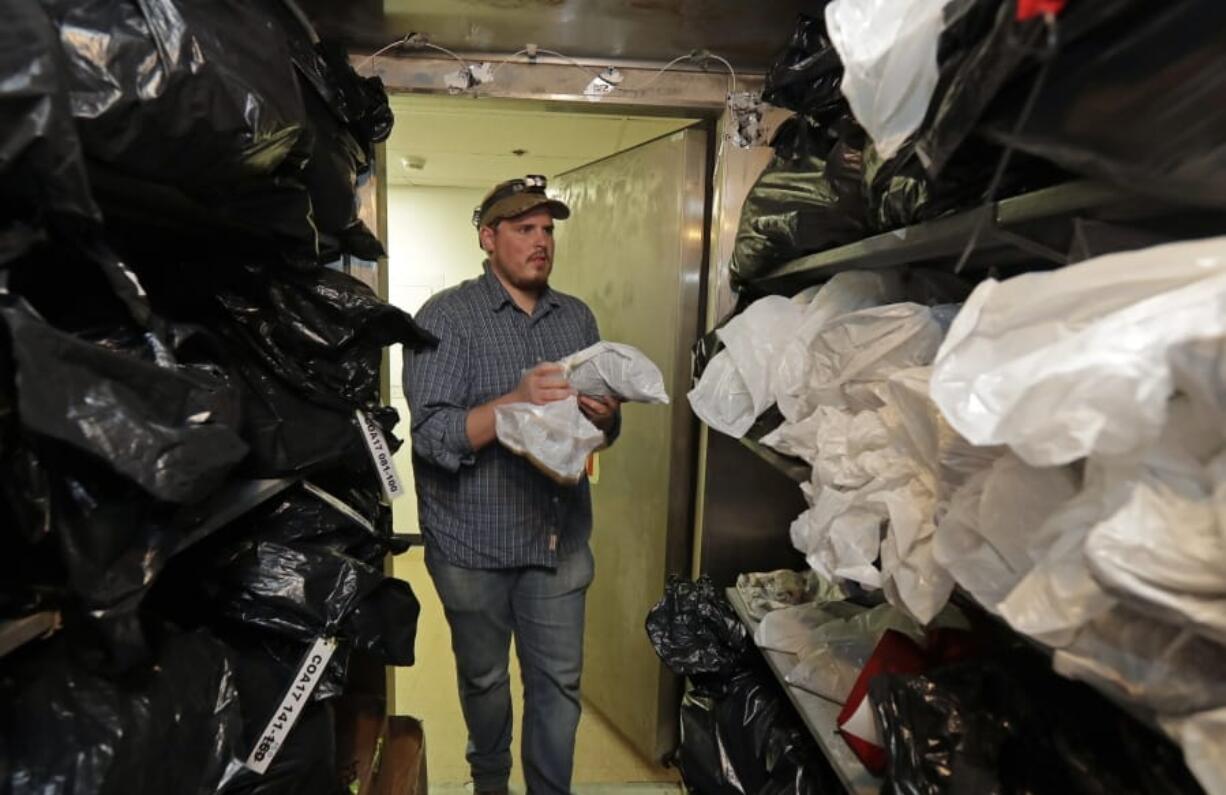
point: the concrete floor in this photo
(605, 764)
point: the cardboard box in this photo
(361, 726)
(402, 765)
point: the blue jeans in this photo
(543, 609)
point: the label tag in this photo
(389, 479)
(295, 701)
(340, 507)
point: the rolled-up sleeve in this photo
(436, 382)
(591, 333)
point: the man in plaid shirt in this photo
(506, 546)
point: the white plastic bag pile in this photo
(877, 458)
(1060, 454)
(767, 359)
(738, 384)
(556, 436)
(1117, 364)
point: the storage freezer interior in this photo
(791, 398)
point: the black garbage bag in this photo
(112, 544)
(301, 591)
(290, 435)
(805, 77)
(304, 350)
(322, 333)
(309, 514)
(695, 631)
(701, 755)
(808, 199)
(746, 739)
(270, 219)
(347, 114)
(121, 398)
(25, 487)
(43, 179)
(993, 727)
(182, 92)
(208, 125)
(979, 53)
(1140, 100)
(173, 726)
(306, 762)
(900, 191)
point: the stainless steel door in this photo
(633, 250)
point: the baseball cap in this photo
(515, 197)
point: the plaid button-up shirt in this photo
(491, 509)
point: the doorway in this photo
(444, 154)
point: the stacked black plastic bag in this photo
(1062, 97)
(186, 392)
(739, 734)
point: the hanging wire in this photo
(431, 46)
(397, 43)
(689, 56)
(656, 78)
(725, 62)
(1052, 43)
(572, 62)
(408, 41)
(498, 68)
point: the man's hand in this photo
(601, 411)
(543, 384)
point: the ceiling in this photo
(747, 33)
(467, 142)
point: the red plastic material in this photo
(1029, 9)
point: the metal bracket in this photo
(1024, 243)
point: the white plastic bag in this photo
(982, 540)
(1059, 595)
(1147, 662)
(840, 536)
(1203, 739)
(1072, 362)
(912, 579)
(851, 357)
(796, 438)
(854, 449)
(614, 369)
(845, 293)
(765, 592)
(1199, 369)
(755, 340)
(831, 670)
(917, 426)
(889, 54)
(1163, 551)
(788, 630)
(721, 398)
(738, 384)
(554, 436)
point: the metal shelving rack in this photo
(16, 632)
(1035, 229)
(819, 714)
(1034, 226)
(793, 468)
